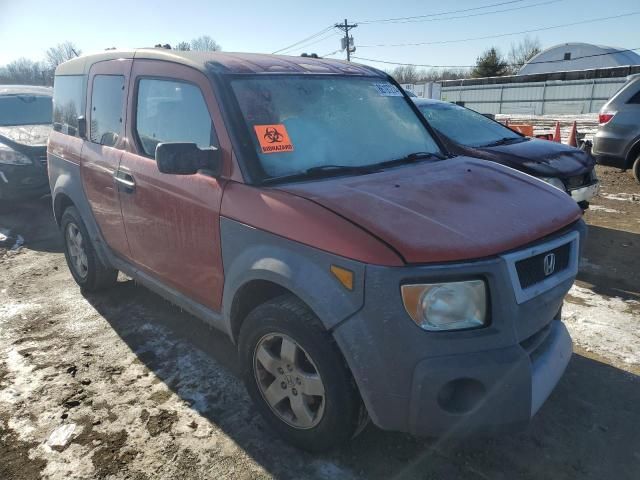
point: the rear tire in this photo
(636, 169)
(314, 403)
(85, 266)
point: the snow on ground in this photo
(600, 208)
(603, 325)
(621, 197)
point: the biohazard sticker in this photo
(273, 138)
(387, 90)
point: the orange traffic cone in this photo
(556, 136)
(573, 140)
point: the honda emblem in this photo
(549, 263)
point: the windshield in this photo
(299, 123)
(25, 109)
(465, 126)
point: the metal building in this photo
(578, 56)
(558, 93)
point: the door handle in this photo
(124, 181)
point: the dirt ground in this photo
(122, 385)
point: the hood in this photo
(26, 135)
(541, 158)
(452, 210)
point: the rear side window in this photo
(635, 98)
(106, 109)
(170, 111)
(68, 103)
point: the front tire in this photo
(636, 169)
(296, 376)
(85, 266)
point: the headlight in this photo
(9, 156)
(554, 182)
(446, 306)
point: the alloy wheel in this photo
(77, 254)
(289, 381)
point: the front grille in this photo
(532, 270)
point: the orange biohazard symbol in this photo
(273, 138)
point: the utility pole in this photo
(347, 42)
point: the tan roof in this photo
(223, 62)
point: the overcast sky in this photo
(29, 27)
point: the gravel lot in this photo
(122, 385)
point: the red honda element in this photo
(305, 208)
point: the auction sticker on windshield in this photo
(273, 138)
(387, 90)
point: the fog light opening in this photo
(461, 395)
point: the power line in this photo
(440, 42)
(331, 53)
(331, 34)
(310, 37)
(511, 64)
(301, 44)
(480, 14)
(404, 20)
(391, 20)
(420, 18)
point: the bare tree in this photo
(62, 52)
(521, 52)
(25, 72)
(184, 46)
(205, 43)
(406, 74)
(436, 75)
(410, 74)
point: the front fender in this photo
(252, 254)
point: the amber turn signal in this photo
(344, 276)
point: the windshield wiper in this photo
(503, 141)
(337, 169)
(321, 171)
(410, 158)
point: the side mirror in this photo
(82, 127)
(187, 159)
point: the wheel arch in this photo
(249, 296)
(259, 266)
(60, 203)
(67, 190)
(633, 154)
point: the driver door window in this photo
(171, 111)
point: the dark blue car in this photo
(466, 132)
(25, 123)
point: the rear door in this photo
(106, 115)
(173, 221)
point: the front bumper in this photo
(488, 391)
(452, 383)
(23, 181)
